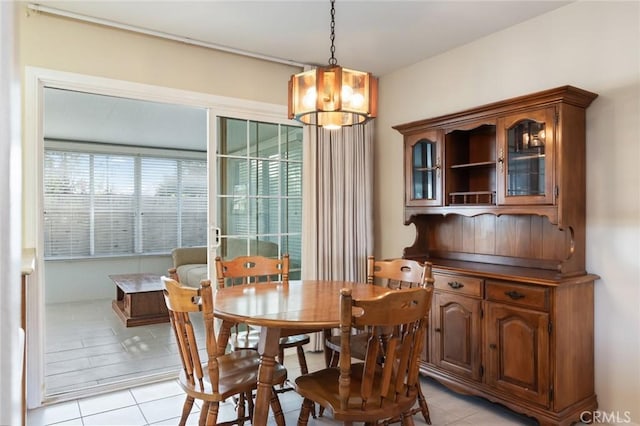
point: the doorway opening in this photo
(124, 183)
(273, 155)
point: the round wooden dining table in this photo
(282, 310)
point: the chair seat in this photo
(238, 372)
(293, 341)
(358, 345)
(322, 387)
(249, 340)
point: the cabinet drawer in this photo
(458, 284)
(516, 294)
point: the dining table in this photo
(282, 309)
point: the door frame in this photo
(11, 368)
(33, 157)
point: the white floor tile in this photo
(128, 416)
(63, 345)
(163, 409)
(54, 368)
(99, 340)
(456, 407)
(53, 413)
(191, 420)
(74, 422)
(157, 391)
(84, 352)
(110, 401)
(497, 418)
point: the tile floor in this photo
(161, 404)
(88, 347)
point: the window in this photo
(260, 189)
(112, 204)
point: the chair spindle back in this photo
(251, 269)
(390, 371)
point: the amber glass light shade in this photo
(332, 97)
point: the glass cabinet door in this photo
(423, 171)
(525, 158)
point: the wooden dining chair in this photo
(385, 385)
(395, 274)
(212, 376)
(256, 269)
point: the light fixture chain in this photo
(333, 60)
(331, 96)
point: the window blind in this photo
(112, 208)
(67, 204)
(110, 204)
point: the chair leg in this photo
(304, 369)
(250, 405)
(307, 406)
(424, 408)
(407, 419)
(276, 408)
(335, 357)
(240, 409)
(328, 356)
(328, 353)
(333, 362)
(421, 408)
(202, 420)
(186, 410)
(212, 414)
(302, 360)
(281, 361)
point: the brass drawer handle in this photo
(455, 285)
(514, 294)
(493, 346)
(437, 330)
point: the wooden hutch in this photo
(497, 196)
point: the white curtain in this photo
(337, 224)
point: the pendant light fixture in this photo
(332, 96)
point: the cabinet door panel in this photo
(423, 169)
(517, 351)
(526, 158)
(456, 334)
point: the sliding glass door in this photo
(259, 189)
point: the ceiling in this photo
(78, 116)
(370, 35)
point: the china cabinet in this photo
(497, 197)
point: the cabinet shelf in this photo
(472, 197)
(473, 165)
(527, 157)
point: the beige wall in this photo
(68, 45)
(591, 45)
